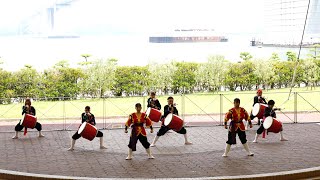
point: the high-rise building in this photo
(284, 21)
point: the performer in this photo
(268, 111)
(136, 121)
(170, 108)
(236, 114)
(153, 102)
(28, 109)
(88, 117)
(258, 99)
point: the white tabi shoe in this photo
(256, 138)
(40, 134)
(186, 140)
(129, 157)
(101, 143)
(72, 145)
(226, 151)
(153, 144)
(16, 135)
(246, 147)
(149, 154)
(282, 138)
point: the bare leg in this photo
(72, 145)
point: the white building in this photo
(284, 21)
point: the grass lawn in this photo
(200, 103)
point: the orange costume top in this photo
(137, 122)
(236, 116)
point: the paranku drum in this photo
(88, 131)
(153, 114)
(28, 121)
(173, 122)
(258, 110)
(272, 124)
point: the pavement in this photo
(173, 159)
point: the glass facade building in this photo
(284, 21)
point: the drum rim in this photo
(256, 109)
(82, 127)
(266, 120)
(148, 111)
(165, 120)
(22, 120)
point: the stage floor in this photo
(173, 159)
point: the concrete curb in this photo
(295, 174)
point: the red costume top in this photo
(236, 116)
(138, 121)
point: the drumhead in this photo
(255, 109)
(23, 116)
(83, 125)
(168, 119)
(268, 122)
(148, 111)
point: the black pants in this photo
(20, 127)
(164, 129)
(232, 137)
(143, 139)
(261, 129)
(77, 136)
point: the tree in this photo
(86, 56)
(160, 77)
(315, 52)
(248, 77)
(183, 79)
(264, 72)
(210, 76)
(283, 71)
(275, 57)
(245, 56)
(310, 72)
(61, 81)
(6, 86)
(291, 56)
(232, 76)
(102, 73)
(131, 80)
(26, 82)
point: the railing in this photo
(195, 109)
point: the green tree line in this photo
(104, 77)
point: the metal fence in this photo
(195, 109)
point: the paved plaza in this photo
(173, 159)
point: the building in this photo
(284, 21)
(188, 36)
